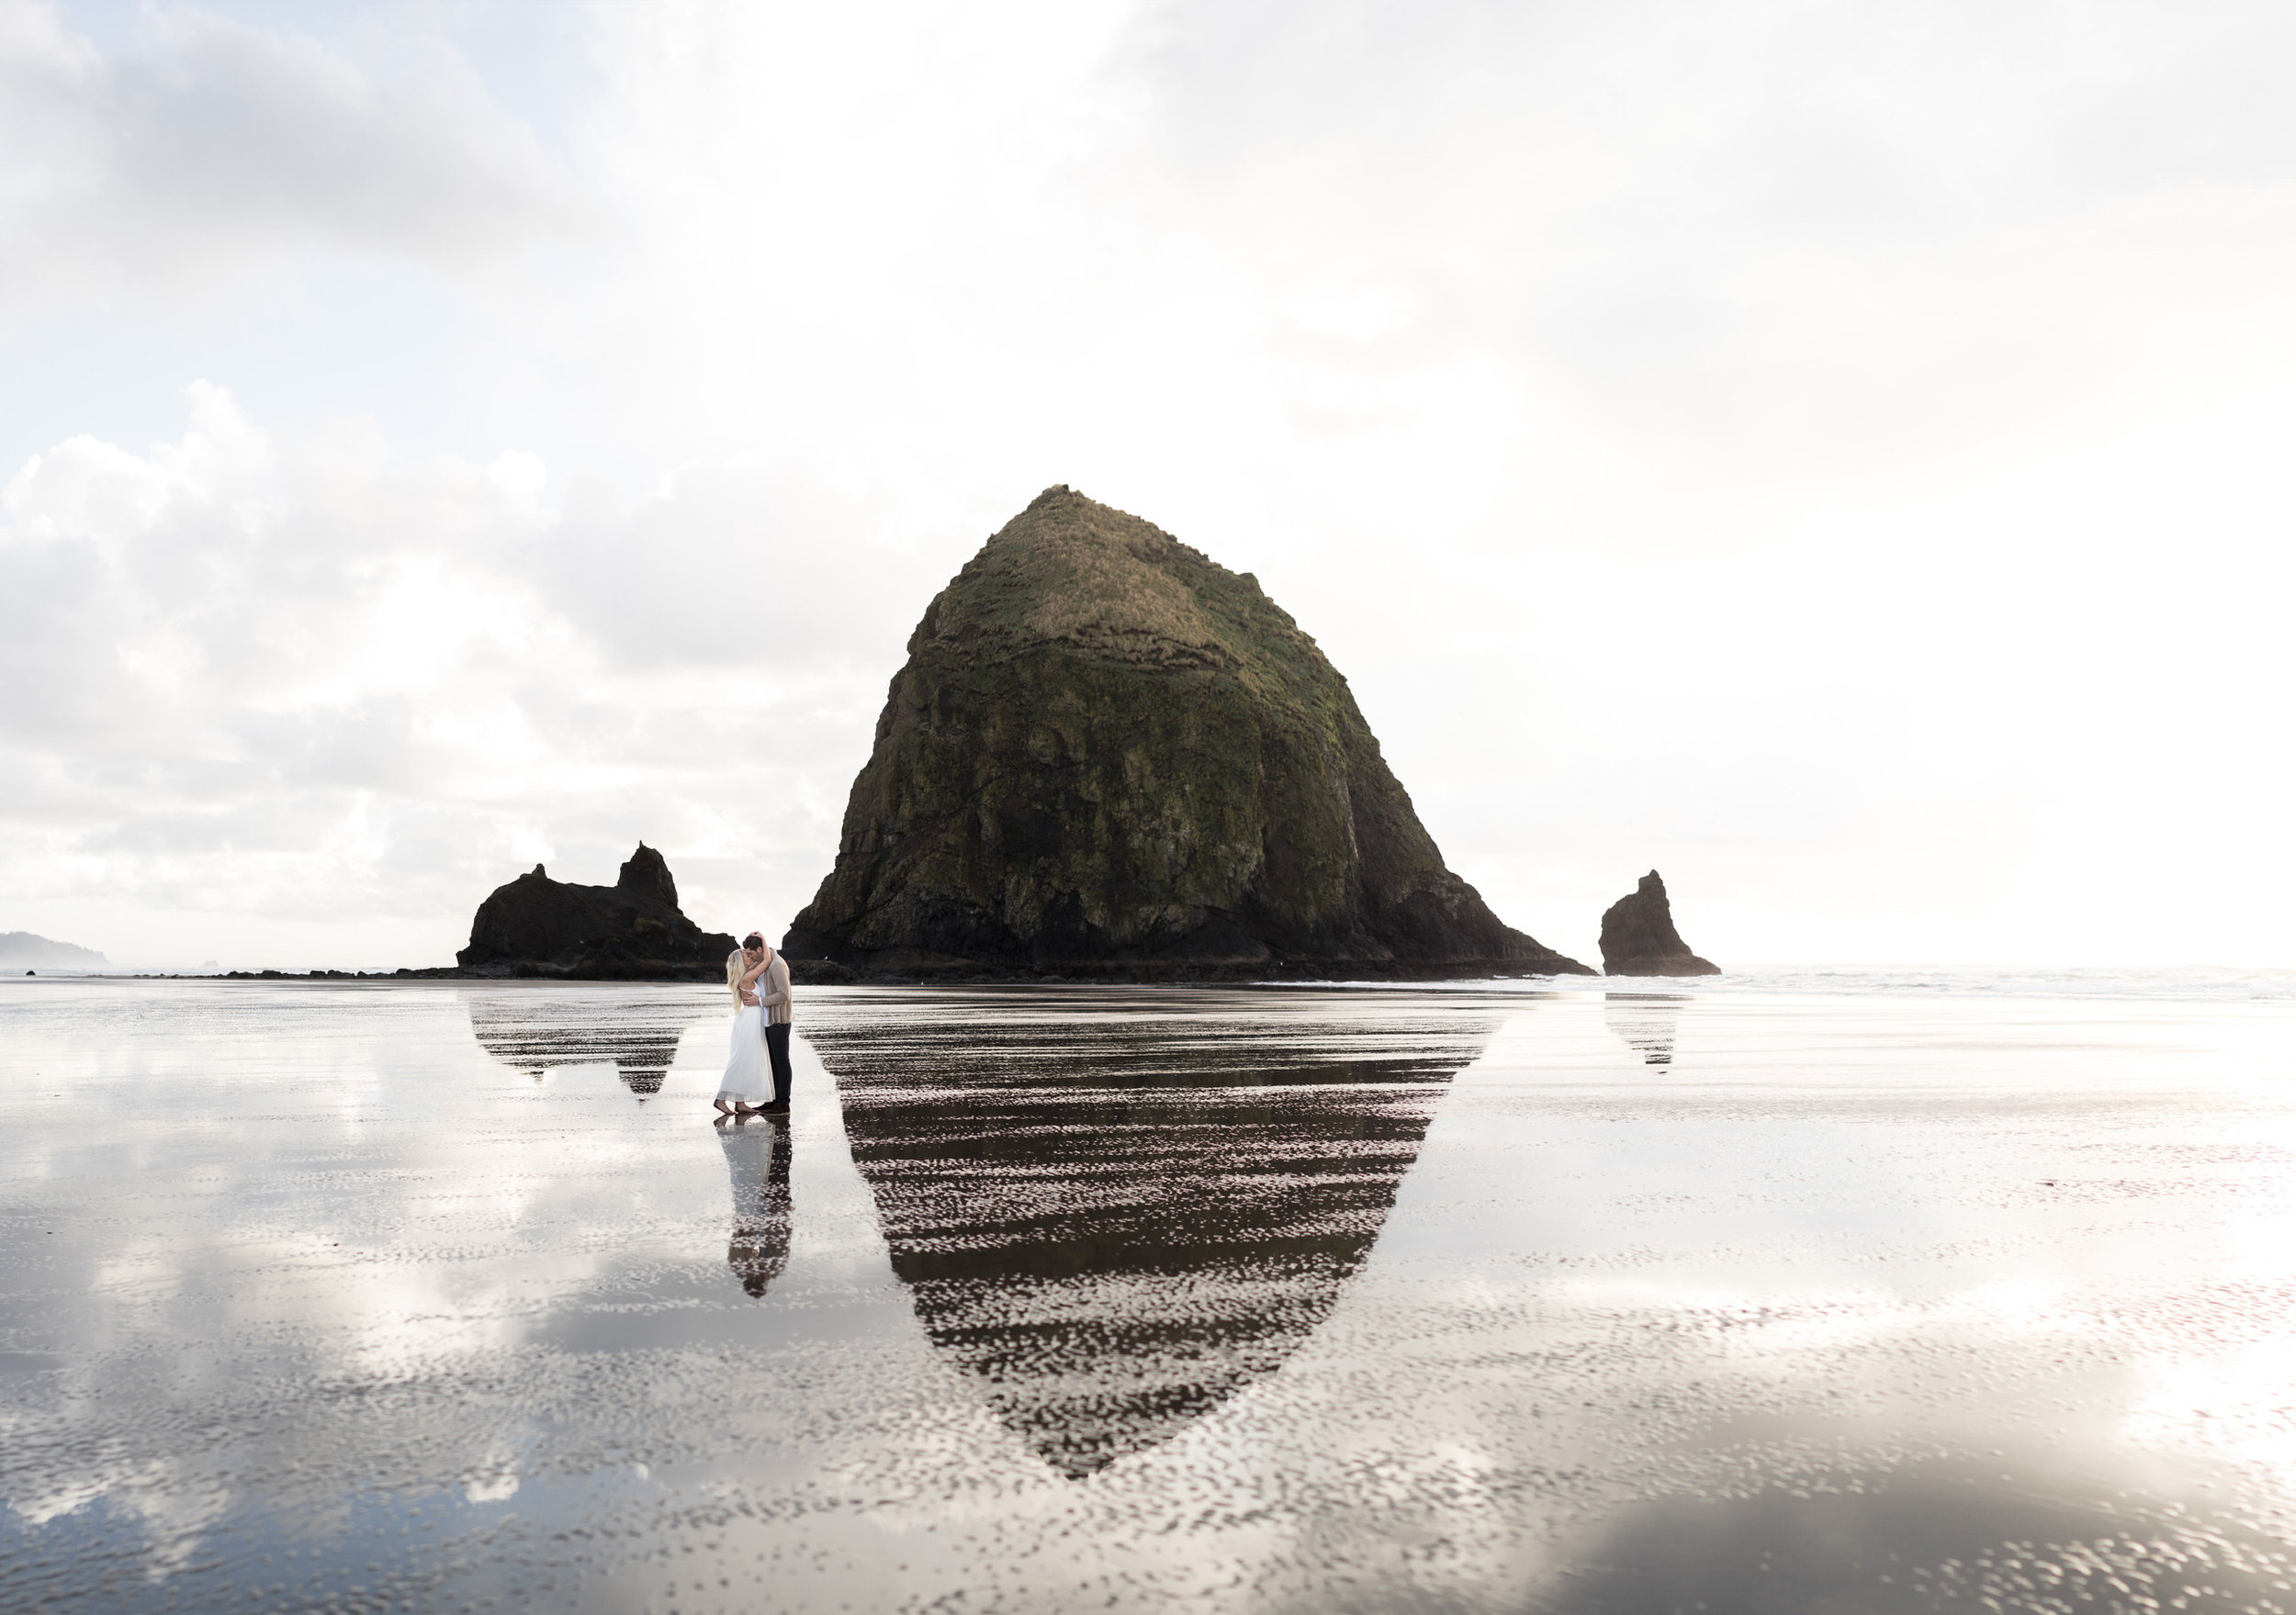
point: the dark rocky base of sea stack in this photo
(1639, 938)
(553, 930)
(944, 972)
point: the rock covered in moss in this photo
(633, 929)
(1109, 756)
(1639, 938)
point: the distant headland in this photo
(22, 950)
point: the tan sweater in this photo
(773, 992)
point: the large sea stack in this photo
(1639, 938)
(632, 930)
(1109, 756)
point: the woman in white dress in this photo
(747, 1083)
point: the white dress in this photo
(747, 1080)
(758, 1161)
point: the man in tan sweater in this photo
(773, 996)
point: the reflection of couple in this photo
(759, 980)
(757, 1158)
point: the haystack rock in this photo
(1639, 938)
(633, 929)
(1110, 756)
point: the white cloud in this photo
(1830, 454)
(212, 145)
(297, 677)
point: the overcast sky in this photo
(1839, 455)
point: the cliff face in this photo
(632, 929)
(1639, 938)
(1109, 755)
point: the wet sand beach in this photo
(1616, 1297)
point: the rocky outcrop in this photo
(1109, 756)
(632, 930)
(1639, 938)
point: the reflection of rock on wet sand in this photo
(1119, 1215)
(1646, 1021)
(756, 1160)
(538, 1028)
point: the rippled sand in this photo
(437, 1296)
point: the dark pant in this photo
(777, 1050)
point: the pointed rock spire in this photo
(1639, 938)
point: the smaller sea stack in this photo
(1639, 938)
(632, 930)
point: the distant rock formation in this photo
(1109, 756)
(22, 947)
(630, 930)
(1639, 938)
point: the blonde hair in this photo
(736, 962)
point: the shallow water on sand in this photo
(1751, 1300)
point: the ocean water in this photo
(1787, 1291)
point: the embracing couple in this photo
(759, 980)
